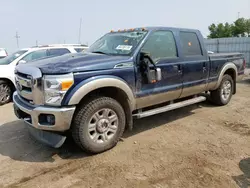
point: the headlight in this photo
(55, 87)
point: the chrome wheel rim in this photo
(103, 125)
(5, 93)
(226, 90)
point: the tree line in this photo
(239, 28)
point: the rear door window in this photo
(190, 44)
(58, 51)
(79, 49)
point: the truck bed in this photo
(225, 55)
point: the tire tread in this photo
(83, 113)
(216, 94)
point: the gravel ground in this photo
(197, 146)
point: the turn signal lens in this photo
(66, 84)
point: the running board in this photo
(170, 107)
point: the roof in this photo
(152, 28)
(55, 46)
(60, 45)
(170, 28)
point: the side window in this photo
(79, 49)
(35, 55)
(58, 51)
(190, 44)
(160, 45)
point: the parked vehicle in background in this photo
(8, 64)
(3, 53)
(125, 74)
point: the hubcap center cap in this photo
(102, 125)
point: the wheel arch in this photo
(230, 69)
(13, 88)
(110, 86)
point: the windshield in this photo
(120, 43)
(7, 60)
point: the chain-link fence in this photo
(222, 45)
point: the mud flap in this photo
(48, 138)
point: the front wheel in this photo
(98, 125)
(224, 93)
(5, 92)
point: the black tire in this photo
(5, 92)
(217, 95)
(82, 119)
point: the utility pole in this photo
(238, 15)
(17, 37)
(80, 30)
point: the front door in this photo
(161, 46)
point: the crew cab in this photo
(8, 64)
(124, 75)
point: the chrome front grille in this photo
(29, 84)
(24, 86)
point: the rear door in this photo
(195, 64)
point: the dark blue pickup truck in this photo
(124, 75)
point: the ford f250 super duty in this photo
(125, 74)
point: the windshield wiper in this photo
(99, 52)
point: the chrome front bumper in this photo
(31, 114)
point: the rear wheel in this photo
(224, 93)
(5, 92)
(98, 125)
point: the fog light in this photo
(47, 119)
(51, 119)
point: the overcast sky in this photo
(57, 21)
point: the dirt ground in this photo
(197, 146)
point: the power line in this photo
(17, 37)
(80, 30)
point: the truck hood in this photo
(78, 62)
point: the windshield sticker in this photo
(124, 47)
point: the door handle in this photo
(177, 68)
(204, 67)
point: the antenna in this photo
(17, 37)
(80, 30)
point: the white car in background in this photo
(3, 53)
(8, 64)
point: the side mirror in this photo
(153, 74)
(21, 62)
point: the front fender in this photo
(83, 88)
